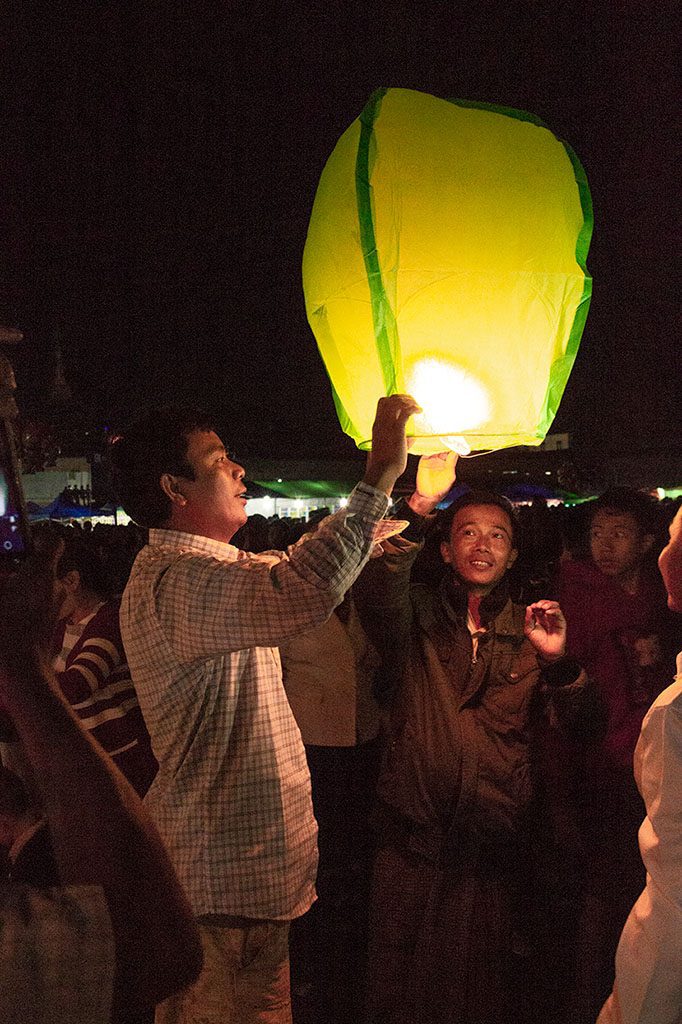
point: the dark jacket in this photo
(457, 769)
(627, 643)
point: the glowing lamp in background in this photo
(445, 258)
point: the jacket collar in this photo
(498, 614)
(455, 599)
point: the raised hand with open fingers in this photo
(545, 627)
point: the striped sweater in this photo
(96, 682)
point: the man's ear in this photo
(513, 555)
(71, 580)
(171, 488)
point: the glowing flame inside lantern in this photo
(448, 395)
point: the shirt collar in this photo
(179, 541)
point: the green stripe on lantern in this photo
(561, 370)
(383, 317)
(494, 108)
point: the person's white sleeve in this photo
(648, 986)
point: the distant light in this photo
(548, 472)
(279, 479)
(660, 492)
(343, 502)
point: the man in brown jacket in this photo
(468, 669)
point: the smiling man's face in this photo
(480, 549)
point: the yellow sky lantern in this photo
(445, 258)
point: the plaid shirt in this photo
(200, 622)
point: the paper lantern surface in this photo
(445, 258)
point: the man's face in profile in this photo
(216, 496)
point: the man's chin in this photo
(238, 523)
(474, 581)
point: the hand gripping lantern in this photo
(445, 258)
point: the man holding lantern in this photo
(468, 672)
(201, 622)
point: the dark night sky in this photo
(162, 161)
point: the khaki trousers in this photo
(245, 977)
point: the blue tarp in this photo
(59, 509)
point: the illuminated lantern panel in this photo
(445, 258)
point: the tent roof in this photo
(306, 488)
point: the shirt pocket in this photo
(513, 684)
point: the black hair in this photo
(627, 501)
(477, 497)
(80, 554)
(155, 444)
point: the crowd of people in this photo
(446, 703)
(76, 496)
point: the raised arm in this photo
(382, 593)
(208, 607)
(388, 458)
